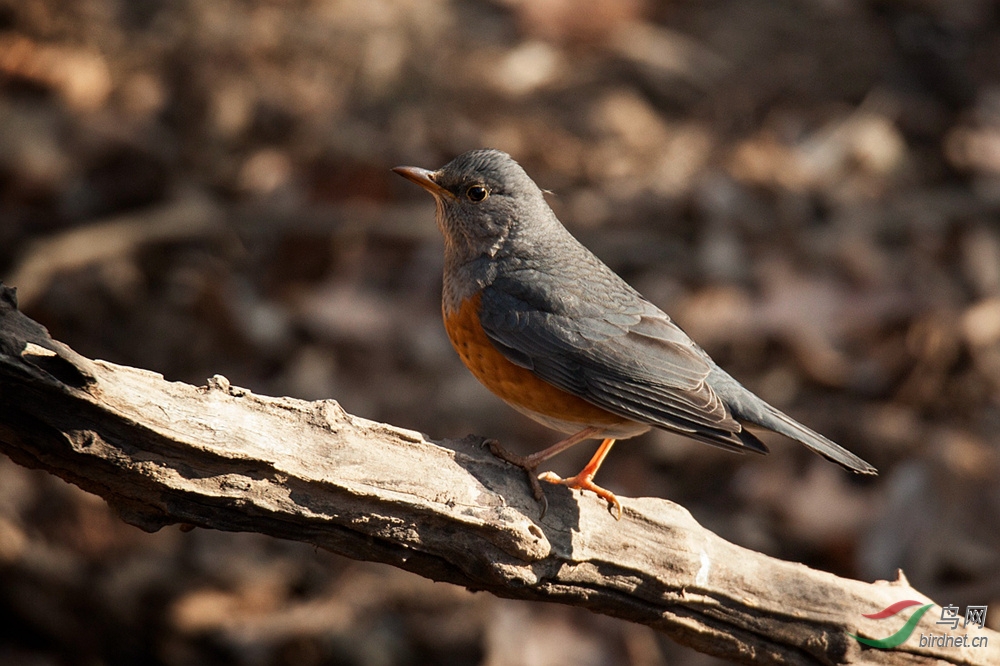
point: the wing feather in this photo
(625, 355)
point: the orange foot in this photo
(585, 481)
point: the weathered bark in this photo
(221, 457)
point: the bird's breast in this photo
(518, 386)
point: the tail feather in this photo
(789, 427)
(738, 442)
(748, 408)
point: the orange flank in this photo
(511, 382)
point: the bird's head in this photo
(483, 198)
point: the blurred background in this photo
(810, 187)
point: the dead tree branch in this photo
(221, 457)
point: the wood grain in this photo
(220, 457)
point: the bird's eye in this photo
(477, 193)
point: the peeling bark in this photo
(223, 458)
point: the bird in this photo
(554, 332)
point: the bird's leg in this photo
(530, 463)
(585, 479)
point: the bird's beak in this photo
(424, 179)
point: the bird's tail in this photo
(747, 407)
(789, 427)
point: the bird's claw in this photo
(520, 461)
(586, 482)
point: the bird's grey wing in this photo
(618, 352)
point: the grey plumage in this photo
(549, 305)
